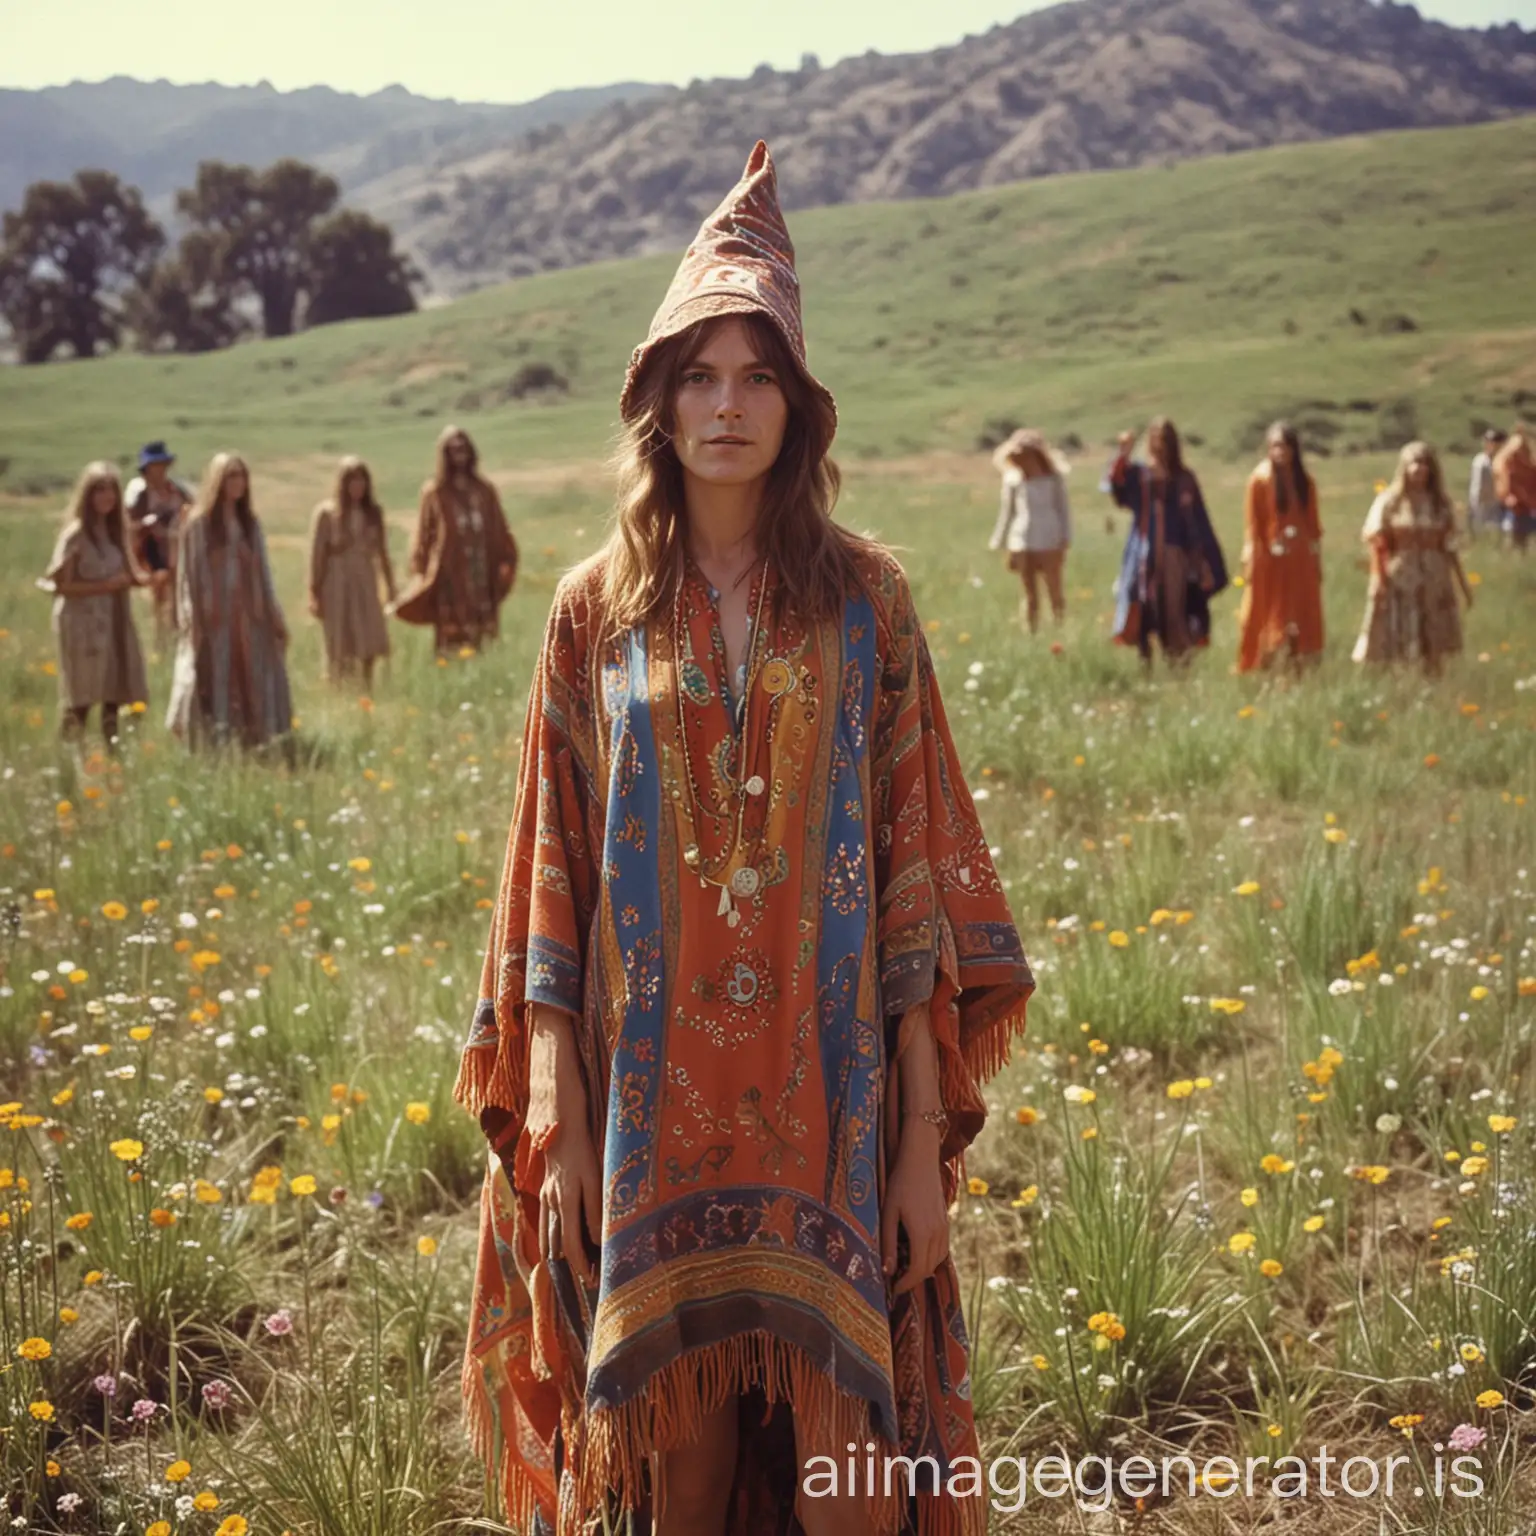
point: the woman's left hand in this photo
(914, 1201)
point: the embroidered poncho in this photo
(741, 1080)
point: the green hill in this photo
(1375, 287)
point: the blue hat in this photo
(155, 453)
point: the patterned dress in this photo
(463, 563)
(100, 661)
(1172, 565)
(1412, 612)
(230, 680)
(740, 1078)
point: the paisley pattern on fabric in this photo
(742, 1080)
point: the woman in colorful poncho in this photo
(463, 557)
(750, 965)
(1281, 619)
(1411, 612)
(230, 681)
(1173, 565)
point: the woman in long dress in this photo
(1034, 521)
(463, 558)
(92, 572)
(1281, 618)
(1173, 564)
(750, 966)
(1411, 608)
(230, 683)
(1514, 478)
(348, 561)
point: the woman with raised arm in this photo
(1172, 565)
(750, 966)
(91, 574)
(230, 683)
(463, 557)
(1411, 611)
(1034, 522)
(1281, 618)
(348, 562)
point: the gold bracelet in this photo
(937, 1117)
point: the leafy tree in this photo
(355, 272)
(258, 224)
(179, 307)
(67, 258)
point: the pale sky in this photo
(494, 50)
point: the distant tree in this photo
(353, 271)
(66, 260)
(259, 225)
(179, 307)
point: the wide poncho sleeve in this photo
(944, 931)
(548, 890)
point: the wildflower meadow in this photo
(1259, 1178)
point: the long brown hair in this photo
(1298, 486)
(211, 493)
(373, 513)
(442, 475)
(1173, 448)
(812, 557)
(82, 510)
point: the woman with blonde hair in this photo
(1281, 618)
(91, 573)
(230, 683)
(1034, 522)
(1514, 479)
(463, 558)
(348, 558)
(750, 966)
(1411, 612)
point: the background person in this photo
(348, 562)
(1411, 611)
(92, 572)
(1034, 521)
(157, 505)
(1172, 565)
(1281, 616)
(463, 558)
(230, 681)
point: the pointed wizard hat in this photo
(741, 262)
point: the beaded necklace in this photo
(745, 880)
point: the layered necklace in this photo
(744, 881)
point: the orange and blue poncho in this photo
(741, 1079)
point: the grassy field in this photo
(1275, 1110)
(1243, 288)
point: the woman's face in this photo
(1416, 472)
(729, 411)
(1157, 446)
(103, 498)
(356, 487)
(1279, 451)
(458, 453)
(235, 483)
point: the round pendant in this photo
(691, 856)
(777, 678)
(745, 881)
(755, 785)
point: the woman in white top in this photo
(1034, 522)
